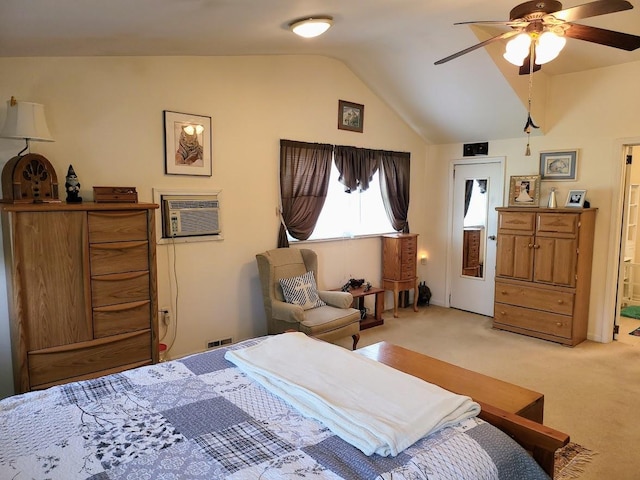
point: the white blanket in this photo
(372, 406)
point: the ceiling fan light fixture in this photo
(548, 47)
(311, 27)
(517, 49)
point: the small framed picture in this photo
(576, 198)
(187, 143)
(524, 191)
(350, 116)
(558, 165)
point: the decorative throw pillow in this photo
(301, 291)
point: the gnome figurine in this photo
(72, 185)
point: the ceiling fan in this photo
(539, 29)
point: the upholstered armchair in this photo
(328, 322)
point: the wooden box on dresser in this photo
(543, 272)
(82, 290)
(399, 266)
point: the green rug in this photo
(632, 311)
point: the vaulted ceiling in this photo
(390, 44)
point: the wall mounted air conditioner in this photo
(190, 215)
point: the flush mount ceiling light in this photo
(311, 27)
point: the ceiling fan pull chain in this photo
(530, 124)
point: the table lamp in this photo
(28, 178)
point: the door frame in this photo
(610, 305)
(501, 160)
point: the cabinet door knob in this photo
(530, 245)
(536, 246)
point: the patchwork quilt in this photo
(200, 417)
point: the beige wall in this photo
(106, 117)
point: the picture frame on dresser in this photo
(187, 142)
(524, 191)
(575, 198)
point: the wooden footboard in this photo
(502, 403)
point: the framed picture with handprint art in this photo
(187, 142)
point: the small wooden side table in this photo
(400, 285)
(358, 302)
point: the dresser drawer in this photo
(538, 298)
(119, 288)
(558, 223)
(56, 364)
(520, 222)
(121, 318)
(115, 226)
(534, 320)
(117, 257)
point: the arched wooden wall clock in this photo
(29, 178)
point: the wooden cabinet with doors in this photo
(399, 266)
(543, 272)
(83, 295)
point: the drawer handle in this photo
(503, 292)
(560, 302)
(559, 324)
(503, 313)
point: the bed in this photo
(203, 417)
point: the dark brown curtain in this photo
(356, 166)
(394, 185)
(304, 180)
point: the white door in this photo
(478, 188)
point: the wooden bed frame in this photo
(513, 403)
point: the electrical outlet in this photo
(165, 314)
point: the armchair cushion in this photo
(302, 290)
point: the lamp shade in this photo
(26, 120)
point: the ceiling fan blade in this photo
(478, 45)
(624, 41)
(508, 23)
(526, 66)
(593, 9)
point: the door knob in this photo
(492, 237)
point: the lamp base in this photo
(29, 179)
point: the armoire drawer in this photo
(534, 320)
(119, 257)
(119, 288)
(121, 318)
(539, 298)
(117, 226)
(55, 364)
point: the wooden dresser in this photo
(83, 295)
(399, 258)
(543, 272)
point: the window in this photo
(351, 214)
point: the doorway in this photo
(628, 302)
(477, 189)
